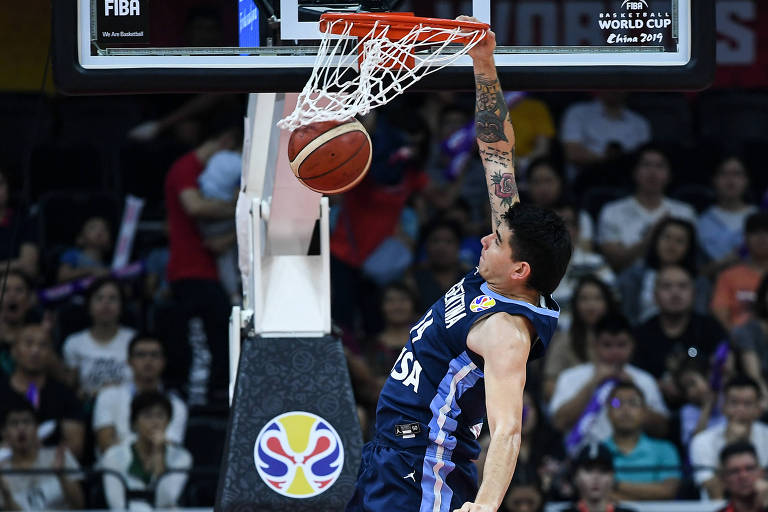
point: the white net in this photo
(334, 92)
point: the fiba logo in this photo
(298, 454)
(634, 5)
(122, 8)
(481, 303)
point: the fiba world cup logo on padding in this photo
(298, 454)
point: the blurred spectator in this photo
(35, 491)
(676, 333)
(97, 355)
(602, 129)
(721, 226)
(17, 235)
(578, 405)
(111, 412)
(751, 339)
(672, 242)
(192, 270)
(743, 479)
(591, 301)
(524, 493)
(583, 262)
(546, 184)
(646, 468)
(741, 408)
(625, 225)
(56, 405)
(16, 310)
(736, 287)
(701, 407)
(541, 451)
(441, 267)
(143, 461)
(89, 257)
(369, 215)
(594, 481)
(221, 180)
(471, 247)
(534, 127)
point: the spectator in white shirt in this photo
(112, 410)
(98, 354)
(150, 464)
(603, 128)
(741, 408)
(34, 491)
(578, 406)
(625, 225)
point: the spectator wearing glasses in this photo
(646, 468)
(112, 410)
(741, 408)
(743, 479)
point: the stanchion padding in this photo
(293, 440)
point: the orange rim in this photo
(400, 24)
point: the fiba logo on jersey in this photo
(635, 5)
(122, 8)
(481, 303)
(298, 454)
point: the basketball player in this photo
(466, 356)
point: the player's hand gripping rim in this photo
(484, 49)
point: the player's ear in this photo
(520, 270)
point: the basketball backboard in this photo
(270, 45)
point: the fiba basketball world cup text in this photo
(635, 24)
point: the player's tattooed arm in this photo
(496, 141)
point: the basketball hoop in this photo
(393, 51)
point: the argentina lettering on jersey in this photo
(434, 397)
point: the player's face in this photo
(496, 257)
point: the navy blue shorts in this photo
(394, 480)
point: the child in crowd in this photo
(220, 180)
(89, 257)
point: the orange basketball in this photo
(331, 156)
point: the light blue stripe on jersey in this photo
(462, 374)
(542, 311)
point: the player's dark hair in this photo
(736, 448)
(741, 381)
(15, 404)
(540, 238)
(144, 337)
(689, 258)
(624, 386)
(146, 400)
(756, 222)
(579, 329)
(613, 323)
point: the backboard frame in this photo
(72, 78)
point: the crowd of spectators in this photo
(659, 363)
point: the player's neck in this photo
(523, 295)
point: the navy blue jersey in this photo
(434, 397)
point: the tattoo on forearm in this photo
(504, 187)
(491, 110)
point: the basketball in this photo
(330, 157)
